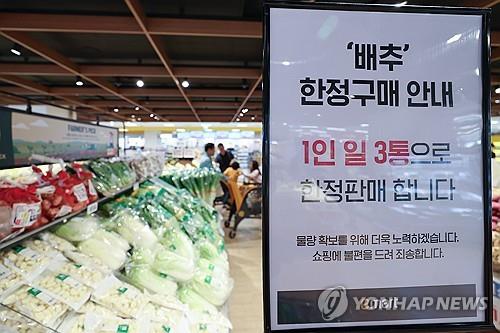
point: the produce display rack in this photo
(65, 218)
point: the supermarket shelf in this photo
(63, 219)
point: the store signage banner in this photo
(23, 135)
(377, 205)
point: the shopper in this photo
(206, 161)
(255, 176)
(233, 172)
(224, 157)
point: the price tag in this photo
(92, 190)
(65, 210)
(136, 186)
(80, 192)
(25, 215)
(92, 208)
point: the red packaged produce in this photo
(20, 207)
(63, 193)
(86, 176)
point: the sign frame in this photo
(4, 110)
(487, 324)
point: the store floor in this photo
(245, 258)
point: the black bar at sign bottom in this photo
(301, 307)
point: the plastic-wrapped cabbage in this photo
(78, 228)
(215, 254)
(103, 249)
(88, 261)
(195, 301)
(179, 268)
(213, 286)
(197, 228)
(141, 275)
(57, 242)
(170, 302)
(178, 242)
(132, 228)
(112, 238)
(211, 266)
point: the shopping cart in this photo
(246, 203)
(225, 198)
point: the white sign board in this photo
(377, 189)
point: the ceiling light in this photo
(286, 63)
(497, 90)
(245, 110)
(241, 114)
(116, 110)
(16, 49)
(157, 118)
(151, 115)
(132, 116)
(185, 83)
(401, 4)
(237, 119)
(79, 81)
(497, 101)
(137, 108)
(253, 118)
(139, 119)
(139, 83)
